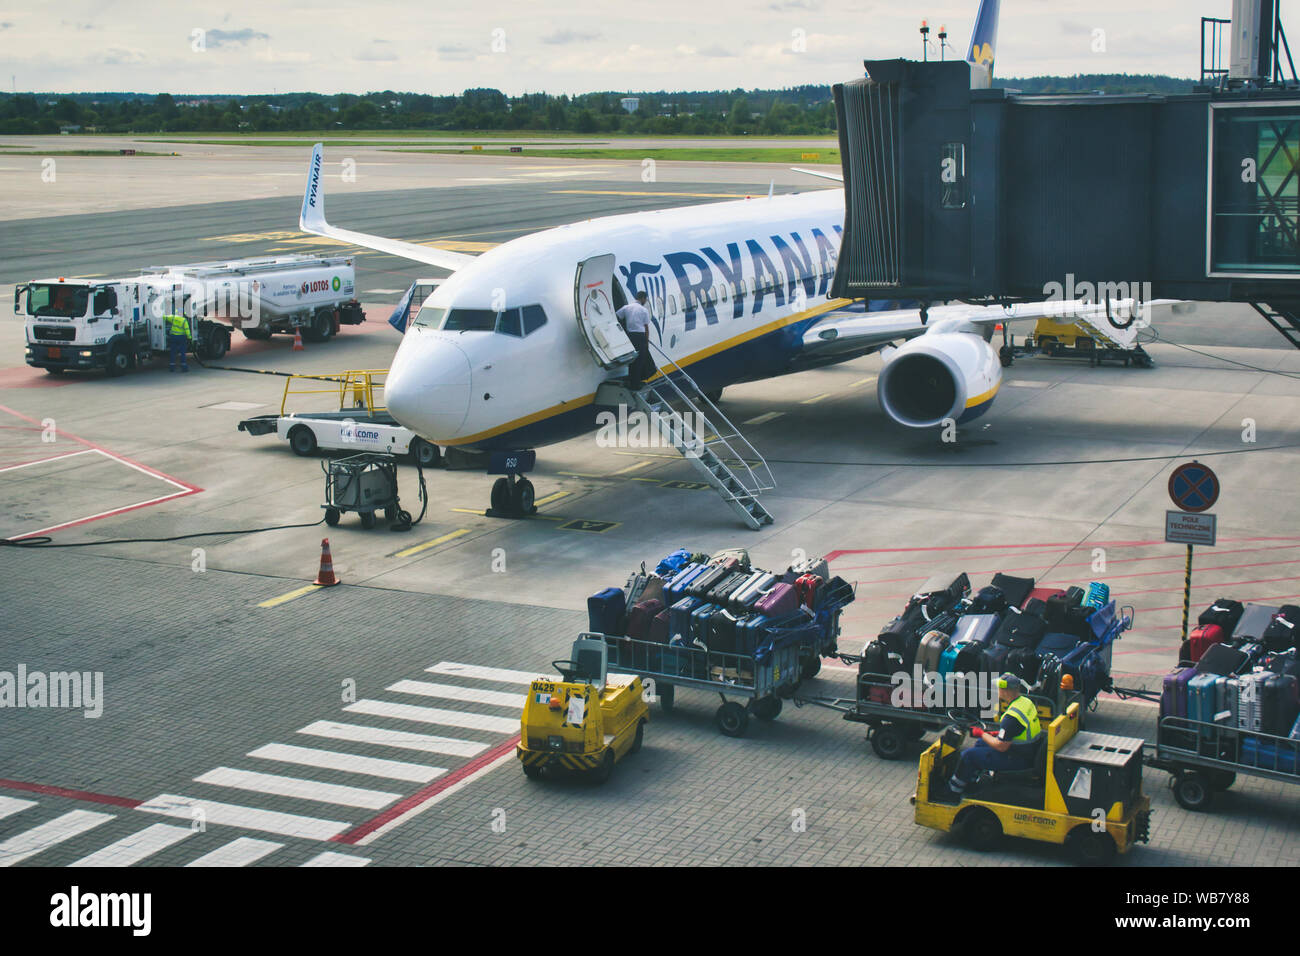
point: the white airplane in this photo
(508, 352)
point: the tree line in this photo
(800, 110)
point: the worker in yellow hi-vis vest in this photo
(178, 341)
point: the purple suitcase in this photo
(781, 599)
(1173, 694)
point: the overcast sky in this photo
(571, 46)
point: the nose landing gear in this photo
(512, 496)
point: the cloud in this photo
(375, 56)
(65, 23)
(216, 38)
(117, 56)
(455, 51)
(805, 6)
(715, 50)
(572, 36)
(6, 25)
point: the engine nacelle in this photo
(949, 372)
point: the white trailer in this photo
(114, 324)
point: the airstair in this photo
(1284, 320)
(683, 417)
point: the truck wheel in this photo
(980, 828)
(257, 334)
(1192, 791)
(732, 719)
(425, 454)
(332, 516)
(216, 344)
(606, 768)
(533, 771)
(119, 360)
(639, 738)
(318, 329)
(367, 519)
(302, 440)
(1091, 848)
(887, 742)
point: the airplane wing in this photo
(834, 177)
(846, 332)
(312, 219)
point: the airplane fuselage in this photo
(732, 287)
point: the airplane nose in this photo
(427, 389)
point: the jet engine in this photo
(950, 372)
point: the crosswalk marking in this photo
(250, 818)
(434, 715)
(424, 743)
(239, 852)
(11, 805)
(332, 760)
(297, 787)
(450, 692)
(138, 846)
(30, 842)
(484, 673)
(330, 858)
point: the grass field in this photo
(698, 154)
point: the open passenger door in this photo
(593, 300)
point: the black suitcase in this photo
(722, 633)
(1015, 589)
(1024, 662)
(911, 646)
(1224, 612)
(1075, 596)
(1222, 659)
(701, 585)
(721, 592)
(1254, 621)
(1020, 629)
(1280, 635)
(1278, 704)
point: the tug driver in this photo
(1010, 747)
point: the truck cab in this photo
(82, 325)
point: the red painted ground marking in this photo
(429, 792)
(1073, 546)
(1212, 584)
(187, 488)
(24, 376)
(87, 795)
(1269, 599)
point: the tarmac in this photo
(373, 722)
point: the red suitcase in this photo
(1202, 639)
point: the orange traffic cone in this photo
(326, 578)
(297, 341)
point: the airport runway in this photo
(228, 688)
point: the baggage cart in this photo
(760, 679)
(364, 483)
(1205, 758)
(896, 715)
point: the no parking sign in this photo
(1194, 487)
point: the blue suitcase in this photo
(1268, 755)
(948, 659)
(1098, 594)
(976, 628)
(699, 627)
(679, 618)
(1088, 668)
(673, 563)
(1295, 730)
(749, 633)
(1057, 644)
(607, 612)
(675, 589)
(1201, 702)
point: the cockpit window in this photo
(470, 320)
(534, 318)
(429, 317)
(508, 323)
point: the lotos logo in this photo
(334, 283)
(316, 285)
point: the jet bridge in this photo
(960, 193)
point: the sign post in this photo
(1194, 489)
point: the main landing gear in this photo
(512, 496)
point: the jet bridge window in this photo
(952, 175)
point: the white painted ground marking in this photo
(333, 760)
(250, 818)
(405, 740)
(138, 846)
(12, 805)
(297, 787)
(434, 715)
(330, 858)
(30, 842)
(451, 692)
(484, 673)
(240, 852)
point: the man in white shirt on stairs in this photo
(636, 320)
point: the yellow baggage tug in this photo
(585, 721)
(1084, 790)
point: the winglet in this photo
(833, 177)
(312, 219)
